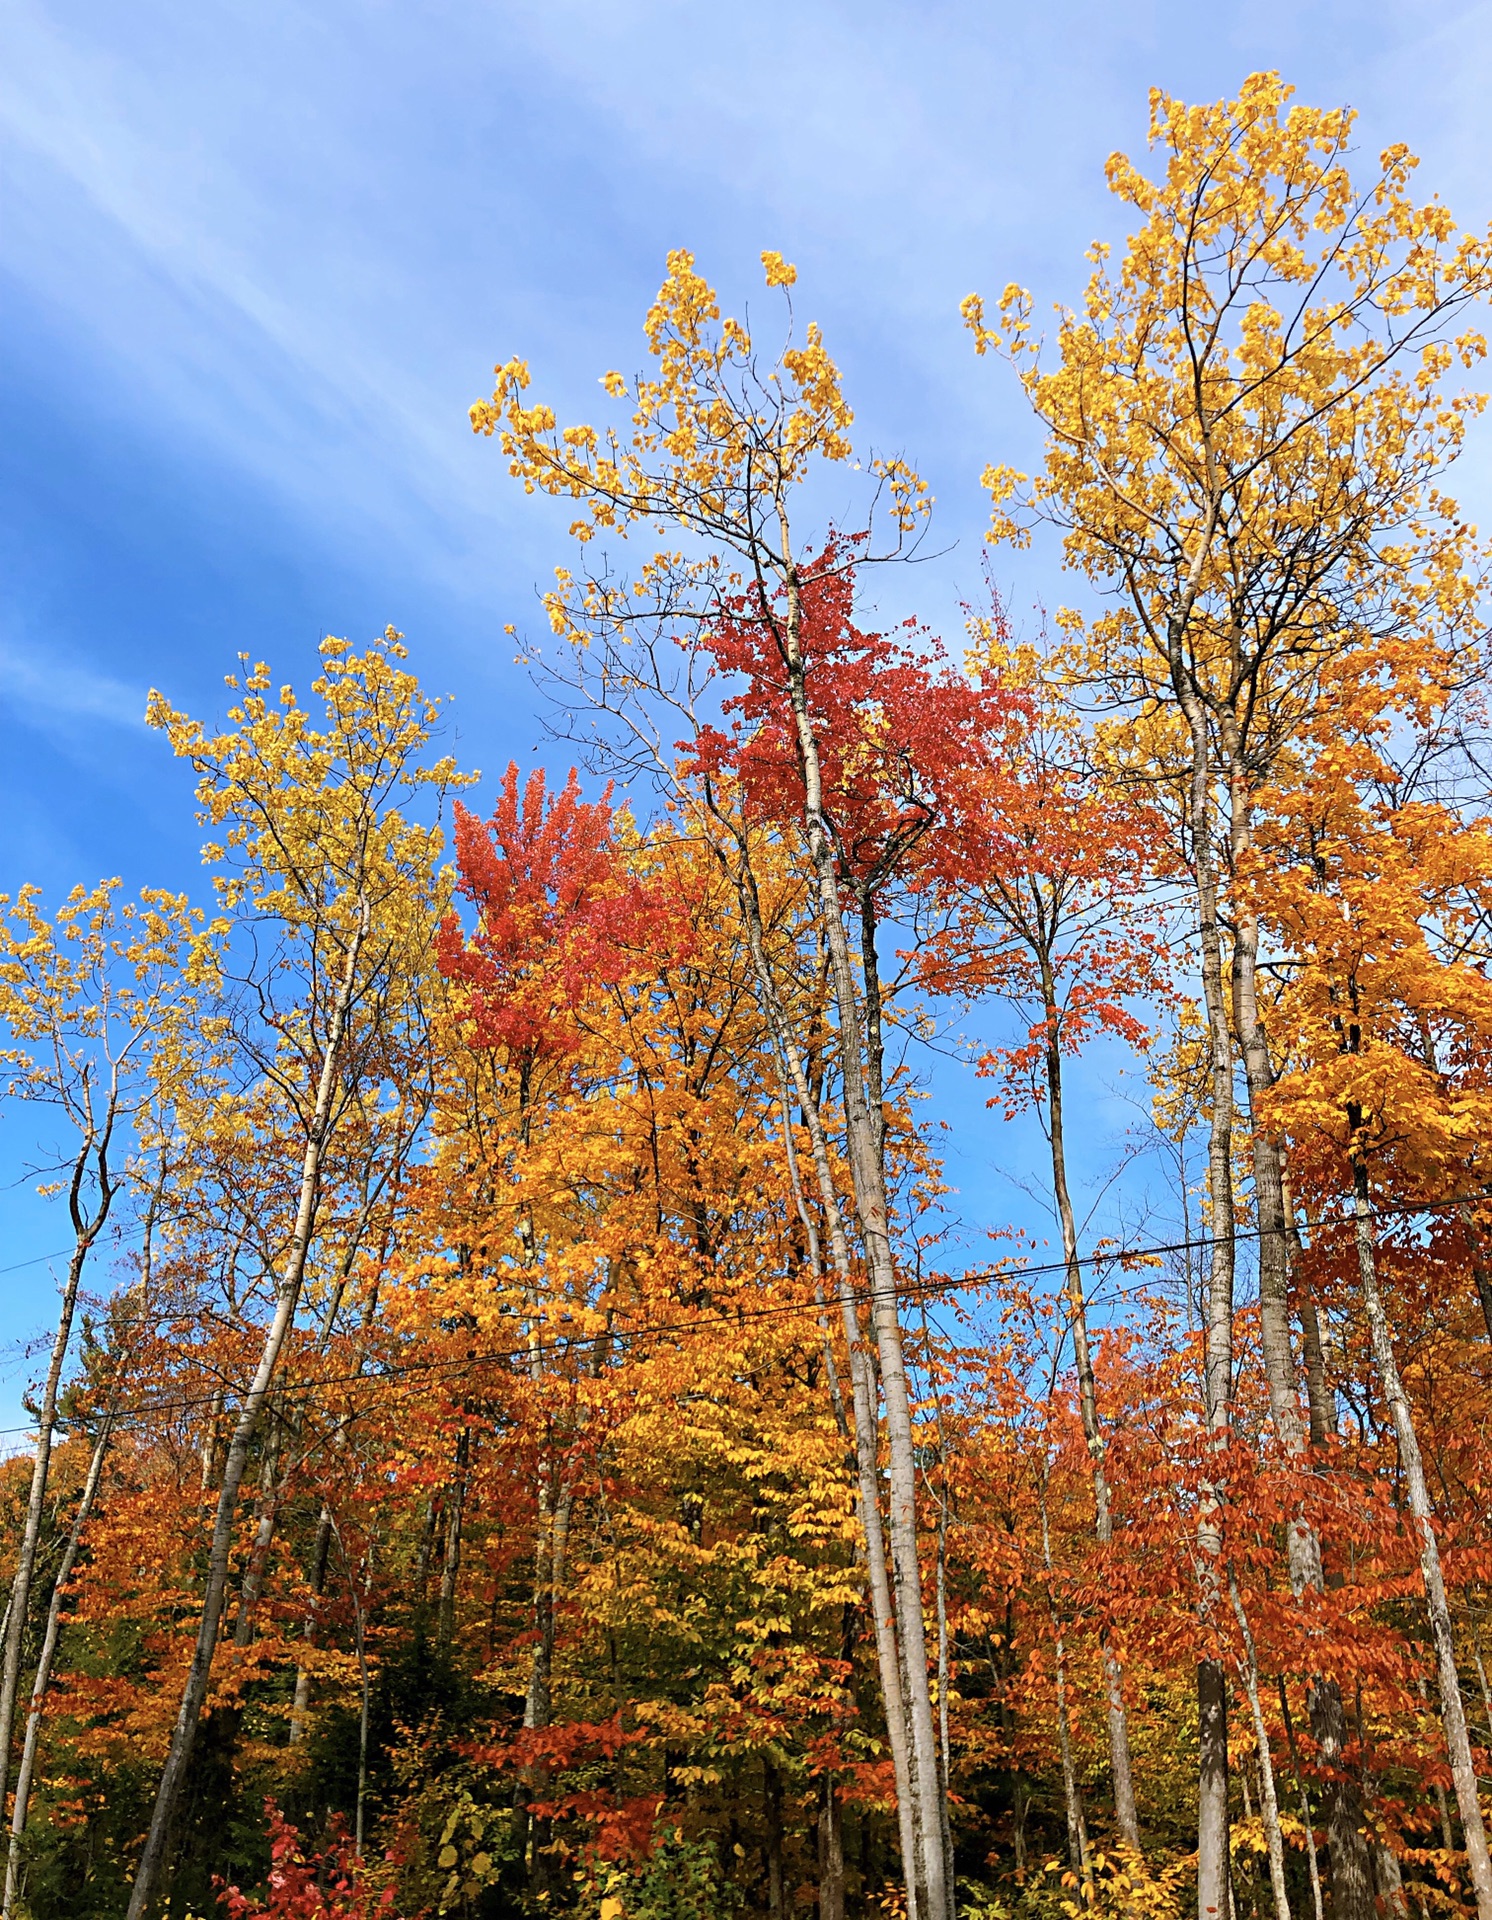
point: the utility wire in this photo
(578, 1343)
(36, 1260)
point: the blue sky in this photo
(258, 259)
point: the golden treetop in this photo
(311, 816)
(717, 438)
(1247, 419)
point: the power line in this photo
(35, 1261)
(579, 1343)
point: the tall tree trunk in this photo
(48, 1654)
(871, 1208)
(41, 1680)
(1213, 1894)
(363, 1718)
(1417, 1492)
(90, 1162)
(300, 1705)
(215, 1586)
(1392, 1904)
(1307, 1824)
(1126, 1818)
(945, 1663)
(935, 1833)
(867, 1173)
(537, 1710)
(212, 1442)
(272, 1484)
(1318, 1396)
(1351, 1870)
(1072, 1799)
(831, 1852)
(862, 1381)
(450, 1566)
(772, 1821)
(1304, 1800)
(1270, 1806)
(325, 1522)
(360, 1642)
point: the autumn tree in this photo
(718, 447)
(95, 1002)
(335, 891)
(1042, 896)
(1387, 1032)
(1247, 428)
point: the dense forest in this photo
(516, 1438)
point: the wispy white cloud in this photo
(35, 681)
(302, 233)
(195, 277)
